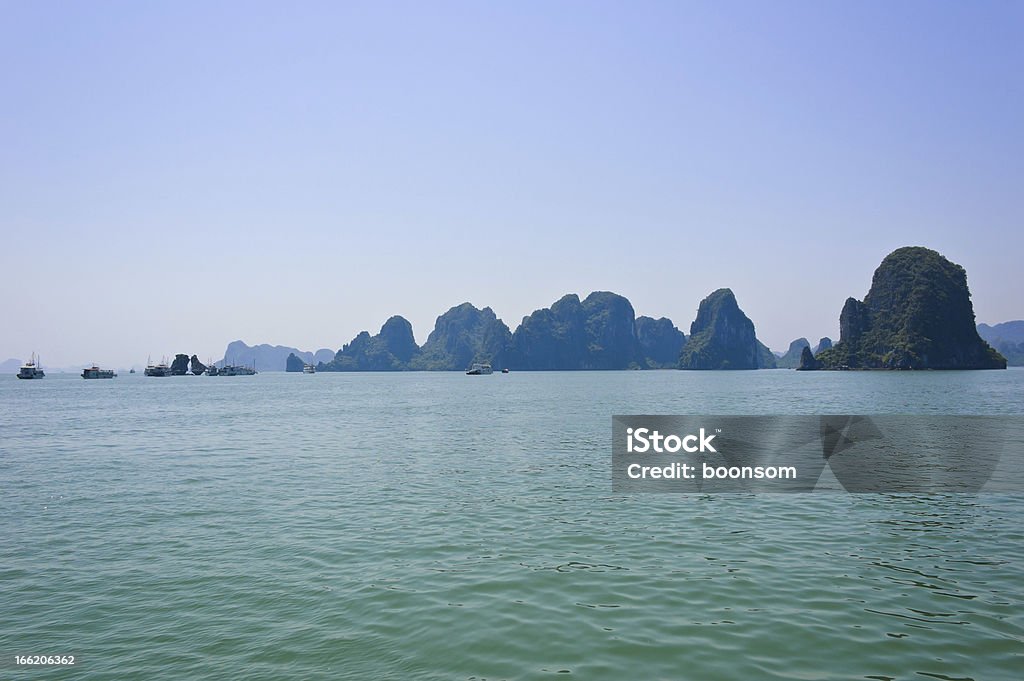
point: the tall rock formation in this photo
(791, 360)
(461, 336)
(722, 337)
(597, 333)
(917, 315)
(294, 363)
(390, 350)
(179, 367)
(824, 344)
(198, 368)
(807, 360)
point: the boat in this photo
(309, 368)
(236, 370)
(160, 369)
(504, 371)
(479, 369)
(95, 372)
(31, 369)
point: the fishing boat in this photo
(479, 369)
(95, 372)
(31, 369)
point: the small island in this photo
(917, 315)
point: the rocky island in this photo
(461, 336)
(722, 337)
(598, 332)
(791, 360)
(917, 315)
(1007, 338)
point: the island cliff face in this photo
(807, 361)
(198, 368)
(917, 315)
(722, 337)
(461, 336)
(294, 363)
(179, 367)
(660, 342)
(597, 333)
(389, 350)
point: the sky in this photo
(178, 175)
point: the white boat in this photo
(95, 372)
(160, 369)
(236, 370)
(479, 369)
(31, 369)
(309, 368)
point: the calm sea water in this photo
(438, 526)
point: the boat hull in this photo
(98, 373)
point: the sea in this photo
(441, 526)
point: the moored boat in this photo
(95, 372)
(31, 369)
(236, 370)
(160, 369)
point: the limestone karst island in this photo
(917, 314)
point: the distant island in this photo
(269, 357)
(1007, 338)
(599, 332)
(916, 315)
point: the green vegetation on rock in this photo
(917, 315)
(461, 336)
(389, 350)
(660, 342)
(597, 333)
(722, 337)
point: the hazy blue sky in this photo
(174, 176)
